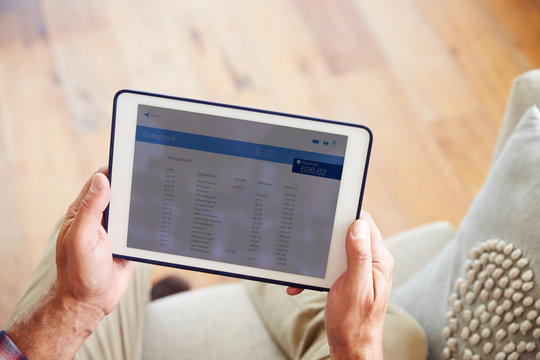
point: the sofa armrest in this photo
(524, 94)
(414, 248)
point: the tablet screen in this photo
(234, 191)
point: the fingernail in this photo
(360, 229)
(94, 185)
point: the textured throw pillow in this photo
(445, 296)
(493, 312)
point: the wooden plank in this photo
(340, 32)
(467, 145)
(490, 59)
(36, 145)
(413, 174)
(153, 47)
(482, 50)
(22, 18)
(41, 144)
(87, 61)
(423, 64)
(218, 48)
(520, 22)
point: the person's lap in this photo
(118, 335)
(295, 323)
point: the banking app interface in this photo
(234, 191)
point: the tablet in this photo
(234, 191)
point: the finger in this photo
(76, 203)
(104, 170)
(125, 270)
(372, 226)
(94, 202)
(359, 257)
(294, 291)
(382, 259)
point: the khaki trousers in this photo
(295, 324)
(118, 336)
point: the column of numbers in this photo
(285, 228)
(167, 205)
(256, 225)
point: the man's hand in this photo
(86, 270)
(89, 283)
(356, 303)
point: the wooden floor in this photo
(431, 78)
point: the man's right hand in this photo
(356, 304)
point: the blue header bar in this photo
(230, 147)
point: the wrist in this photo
(56, 327)
(362, 350)
(363, 354)
(83, 317)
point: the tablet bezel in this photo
(125, 106)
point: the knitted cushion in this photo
(493, 310)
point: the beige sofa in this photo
(437, 279)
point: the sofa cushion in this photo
(507, 207)
(217, 322)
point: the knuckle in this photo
(71, 213)
(362, 254)
(85, 204)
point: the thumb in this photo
(359, 256)
(95, 201)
